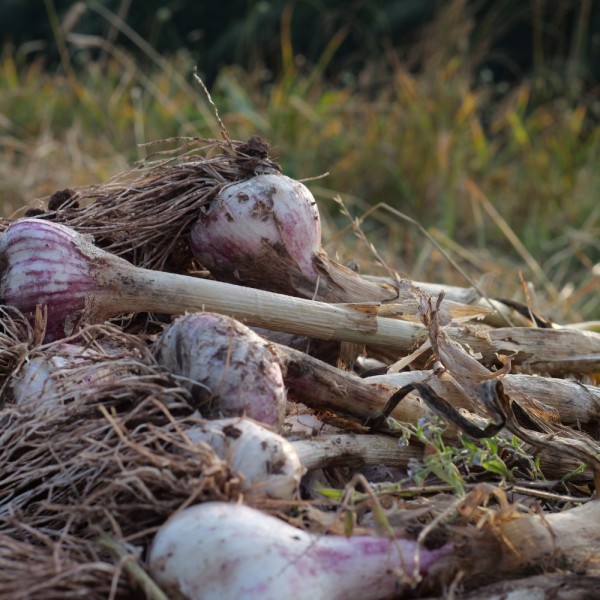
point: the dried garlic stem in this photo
(135, 289)
(568, 539)
(107, 285)
(354, 450)
(577, 404)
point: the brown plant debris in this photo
(144, 214)
(112, 459)
(37, 566)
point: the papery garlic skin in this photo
(42, 264)
(217, 550)
(229, 369)
(268, 462)
(39, 383)
(259, 219)
(62, 373)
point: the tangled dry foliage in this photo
(87, 479)
(169, 188)
(109, 459)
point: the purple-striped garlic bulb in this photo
(265, 232)
(268, 463)
(229, 369)
(47, 264)
(250, 219)
(218, 550)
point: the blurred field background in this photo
(479, 120)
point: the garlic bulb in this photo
(268, 463)
(59, 374)
(47, 268)
(50, 379)
(259, 219)
(217, 550)
(229, 369)
(265, 232)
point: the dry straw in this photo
(144, 214)
(111, 460)
(37, 566)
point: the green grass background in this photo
(505, 179)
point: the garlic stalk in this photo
(355, 450)
(273, 466)
(218, 550)
(505, 312)
(569, 539)
(577, 404)
(46, 263)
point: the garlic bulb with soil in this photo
(218, 550)
(228, 369)
(265, 232)
(268, 463)
(273, 466)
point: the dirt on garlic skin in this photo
(228, 368)
(265, 232)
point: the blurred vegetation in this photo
(503, 172)
(520, 35)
